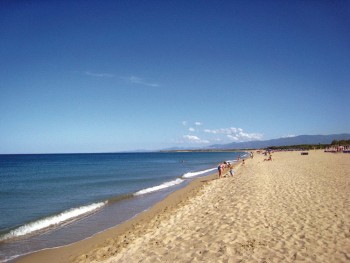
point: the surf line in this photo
(54, 220)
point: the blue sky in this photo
(101, 76)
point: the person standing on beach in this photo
(231, 170)
(219, 170)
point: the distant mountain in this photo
(297, 140)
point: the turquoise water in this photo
(54, 199)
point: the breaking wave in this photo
(50, 221)
(159, 187)
(192, 174)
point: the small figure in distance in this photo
(231, 170)
(220, 169)
(269, 159)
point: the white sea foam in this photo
(231, 161)
(52, 220)
(159, 187)
(192, 174)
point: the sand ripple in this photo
(293, 209)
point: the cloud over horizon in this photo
(236, 134)
(194, 139)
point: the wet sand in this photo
(295, 208)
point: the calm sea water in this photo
(54, 199)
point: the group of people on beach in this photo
(222, 167)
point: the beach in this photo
(295, 208)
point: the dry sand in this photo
(292, 209)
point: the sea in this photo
(51, 200)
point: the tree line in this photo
(300, 147)
(311, 146)
(340, 142)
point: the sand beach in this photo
(295, 208)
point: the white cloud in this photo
(191, 137)
(191, 129)
(289, 136)
(99, 75)
(140, 81)
(236, 134)
(194, 139)
(210, 131)
(197, 123)
(232, 137)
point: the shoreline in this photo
(69, 253)
(295, 208)
(157, 176)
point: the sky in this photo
(111, 76)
